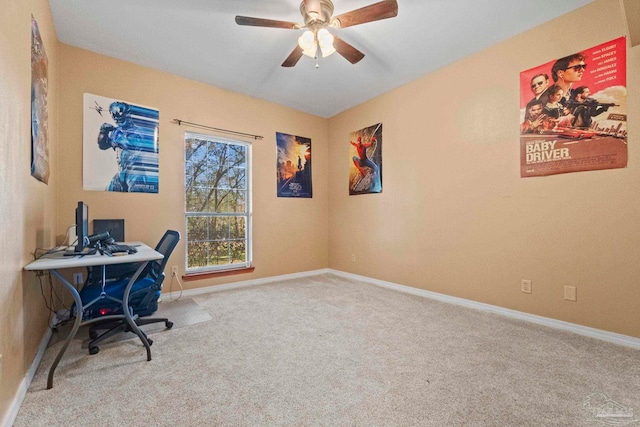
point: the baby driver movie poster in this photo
(573, 112)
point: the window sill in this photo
(211, 274)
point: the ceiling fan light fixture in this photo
(326, 51)
(311, 53)
(318, 16)
(307, 40)
(325, 40)
(308, 44)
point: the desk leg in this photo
(74, 330)
(127, 312)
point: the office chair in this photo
(143, 299)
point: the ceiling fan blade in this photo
(313, 8)
(349, 52)
(293, 58)
(259, 22)
(374, 12)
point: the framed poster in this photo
(365, 153)
(573, 112)
(39, 110)
(120, 146)
(294, 166)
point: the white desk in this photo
(57, 261)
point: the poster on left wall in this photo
(39, 112)
(120, 146)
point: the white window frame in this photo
(247, 214)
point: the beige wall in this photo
(290, 235)
(455, 217)
(27, 208)
(632, 15)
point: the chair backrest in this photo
(153, 270)
(165, 246)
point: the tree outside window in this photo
(217, 203)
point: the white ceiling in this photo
(200, 40)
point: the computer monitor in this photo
(82, 226)
(115, 227)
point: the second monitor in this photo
(115, 227)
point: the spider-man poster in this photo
(120, 146)
(365, 153)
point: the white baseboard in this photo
(11, 415)
(26, 382)
(611, 337)
(237, 285)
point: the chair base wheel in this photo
(94, 350)
(168, 324)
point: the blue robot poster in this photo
(294, 166)
(120, 146)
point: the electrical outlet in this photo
(174, 270)
(78, 279)
(526, 286)
(353, 257)
(570, 293)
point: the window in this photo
(217, 208)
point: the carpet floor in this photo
(330, 351)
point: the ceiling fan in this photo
(317, 15)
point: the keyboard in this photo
(115, 248)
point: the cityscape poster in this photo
(39, 109)
(294, 166)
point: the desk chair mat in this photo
(182, 312)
